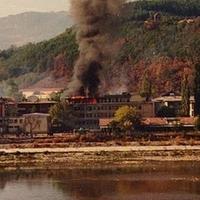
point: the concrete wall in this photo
(36, 124)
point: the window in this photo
(89, 108)
(77, 108)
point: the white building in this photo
(36, 123)
(39, 93)
(172, 100)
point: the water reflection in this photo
(153, 181)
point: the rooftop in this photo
(36, 114)
(105, 121)
(40, 89)
(39, 102)
(166, 121)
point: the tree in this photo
(56, 96)
(197, 89)
(12, 89)
(146, 87)
(32, 123)
(127, 118)
(19, 97)
(62, 113)
(185, 93)
(166, 111)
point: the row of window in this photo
(112, 100)
(91, 108)
(97, 115)
(16, 121)
(20, 121)
(14, 127)
(88, 122)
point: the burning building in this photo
(90, 110)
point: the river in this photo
(152, 181)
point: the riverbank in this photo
(94, 156)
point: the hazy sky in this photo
(8, 7)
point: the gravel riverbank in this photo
(93, 156)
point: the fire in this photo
(82, 100)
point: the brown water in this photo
(167, 181)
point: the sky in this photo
(10, 7)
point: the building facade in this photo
(34, 107)
(36, 123)
(89, 111)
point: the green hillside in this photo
(166, 47)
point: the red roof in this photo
(105, 121)
(187, 120)
(154, 121)
(166, 121)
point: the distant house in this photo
(172, 100)
(39, 93)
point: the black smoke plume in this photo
(91, 17)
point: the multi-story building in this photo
(89, 111)
(12, 113)
(35, 123)
(14, 124)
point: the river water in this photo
(152, 181)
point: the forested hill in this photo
(158, 38)
(32, 27)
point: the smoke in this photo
(91, 17)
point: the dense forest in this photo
(158, 38)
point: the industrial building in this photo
(89, 111)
